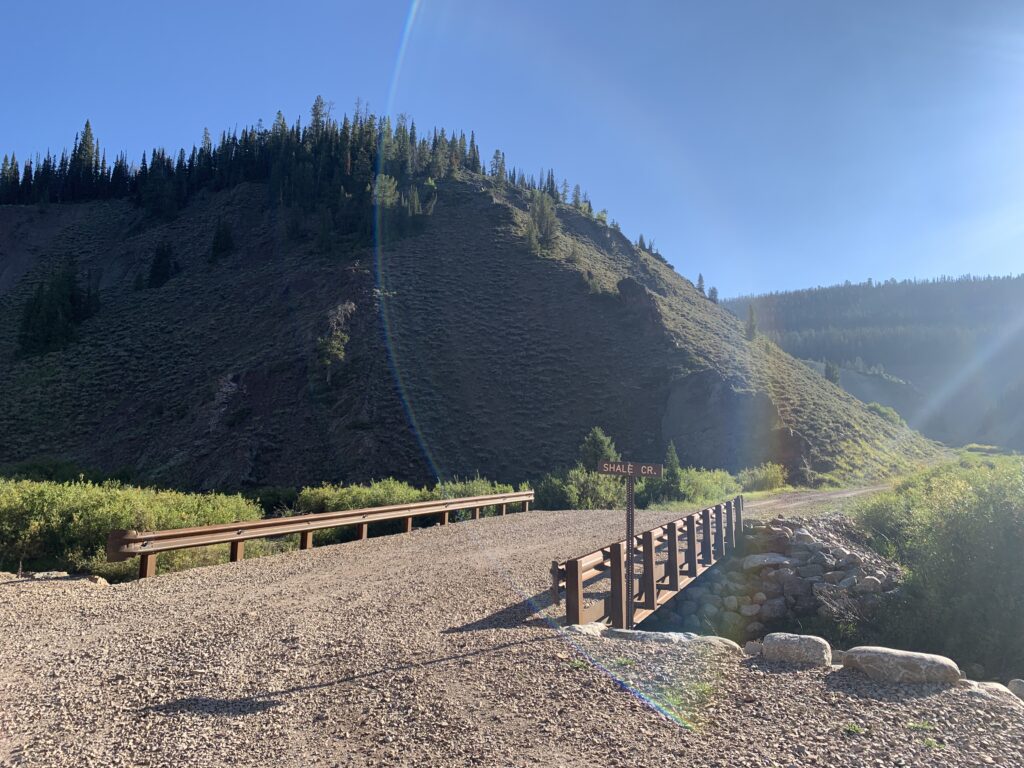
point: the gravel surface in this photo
(430, 648)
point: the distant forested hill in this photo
(959, 342)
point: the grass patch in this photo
(920, 725)
(853, 729)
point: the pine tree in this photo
(751, 323)
(595, 448)
(831, 372)
(672, 476)
(713, 294)
(223, 242)
(700, 284)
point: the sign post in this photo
(631, 470)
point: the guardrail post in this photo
(526, 506)
(556, 583)
(705, 549)
(237, 551)
(719, 532)
(691, 546)
(740, 541)
(617, 610)
(444, 517)
(476, 513)
(650, 583)
(362, 530)
(672, 565)
(408, 524)
(306, 540)
(730, 531)
(573, 592)
(503, 509)
(147, 565)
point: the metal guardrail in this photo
(123, 545)
(673, 555)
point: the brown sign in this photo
(629, 469)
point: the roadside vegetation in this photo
(959, 531)
(580, 487)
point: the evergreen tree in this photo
(163, 267)
(751, 323)
(672, 476)
(700, 284)
(595, 448)
(831, 372)
(713, 294)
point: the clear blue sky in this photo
(769, 145)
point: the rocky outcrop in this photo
(791, 569)
(797, 649)
(888, 665)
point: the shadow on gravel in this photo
(854, 683)
(206, 705)
(523, 613)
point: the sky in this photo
(766, 145)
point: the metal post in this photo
(630, 546)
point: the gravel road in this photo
(431, 648)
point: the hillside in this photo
(242, 319)
(957, 342)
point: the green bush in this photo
(703, 486)
(764, 477)
(960, 531)
(380, 493)
(65, 525)
(886, 413)
(579, 488)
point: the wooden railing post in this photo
(730, 531)
(691, 546)
(719, 533)
(408, 524)
(672, 565)
(444, 517)
(650, 579)
(147, 565)
(617, 574)
(573, 592)
(739, 525)
(237, 551)
(476, 513)
(526, 506)
(503, 509)
(705, 549)
(306, 540)
(362, 530)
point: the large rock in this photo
(751, 562)
(1016, 688)
(888, 665)
(773, 609)
(797, 649)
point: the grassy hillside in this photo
(464, 350)
(957, 342)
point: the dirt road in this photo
(431, 648)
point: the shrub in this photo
(887, 413)
(702, 486)
(960, 530)
(65, 525)
(764, 477)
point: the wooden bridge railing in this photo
(122, 545)
(671, 555)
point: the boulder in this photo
(838, 656)
(714, 600)
(750, 610)
(849, 582)
(730, 620)
(773, 609)
(48, 575)
(852, 559)
(999, 692)
(98, 581)
(755, 628)
(730, 603)
(810, 570)
(888, 665)
(751, 562)
(594, 629)
(709, 609)
(760, 597)
(752, 648)
(803, 536)
(834, 577)
(797, 649)
(1016, 688)
(868, 585)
